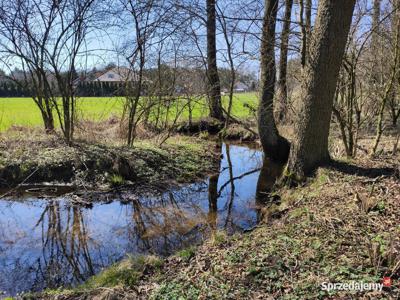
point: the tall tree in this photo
(147, 17)
(282, 80)
(25, 44)
(390, 82)
(310, 145)
(214, 85)
(375, 42)
(394, 101)
(275, 146)
(305, 27)
(72, 24)
(46, 38)
(376, 14)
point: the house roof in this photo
(241, 86)
(118, 74)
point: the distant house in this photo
(240, 87)
(118, 74)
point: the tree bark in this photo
(214, 86)
(282, 80)
(310, 145)
(275, 146)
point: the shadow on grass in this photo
(351, 169)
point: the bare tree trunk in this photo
(395, 116)
(342, 127)
(308, 22)
(376, 13)
(48, 123)
(396, 143)
(231, 63)
(390, 84)
(282, 80)
(310, 147)
(305, 27)
(275, 146)
(303, 34)
(375, 43)
(214, 86)
(394, 101)
(46, 112)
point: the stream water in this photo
(51, 242)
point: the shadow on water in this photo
(47, 243)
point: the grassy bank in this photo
(35, 159)
(23, 111)
(341, 226)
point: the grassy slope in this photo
(23, 111)
(324, 234)
(47, 158)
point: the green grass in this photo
(125, 274)
(187, 254)
(24, 112)
(116, 180)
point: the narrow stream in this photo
(47, 243)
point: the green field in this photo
(24, 112)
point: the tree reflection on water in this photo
(52, 243)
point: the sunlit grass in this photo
(24, 112)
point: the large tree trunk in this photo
(310, 145)
(214, 87)
(282, 81)
(275, 146)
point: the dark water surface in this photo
(52, 243)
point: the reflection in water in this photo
(63, 245)
(232, 183)
(50, 243)
(270, 172)
(213, 192)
